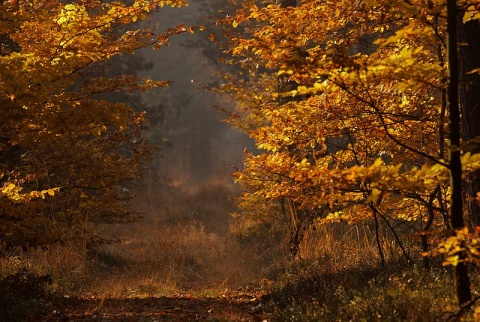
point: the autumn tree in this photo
(378, 80)
(66, 154)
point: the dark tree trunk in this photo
(462, 280)
(469, 92)
(287, 3)
(7, 45)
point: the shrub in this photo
(23, 295)
(393, 293)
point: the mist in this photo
(189, 179)
(197, 147)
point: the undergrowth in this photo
(24, 296)
(337, 277)
(345, 281)
(180, 247)
(392, 293)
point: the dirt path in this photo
(238, 307)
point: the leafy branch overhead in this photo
(347, 104)
(66, 152)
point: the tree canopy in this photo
(66, 153)
(352, 108)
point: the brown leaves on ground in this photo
(233, 307)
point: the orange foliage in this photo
(58, 139)
(347, 108)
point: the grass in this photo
(392, 293)
(338, 276)
(181, 258)
(182, 247)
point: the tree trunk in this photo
(469, 93)
(287, 3)
(462, 280)
(7, 45)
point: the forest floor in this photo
(236, 306)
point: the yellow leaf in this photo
(374, 195)
(474, 71)
(302, 89)
(451, 260)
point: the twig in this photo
(463, 308)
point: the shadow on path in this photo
(168, 308)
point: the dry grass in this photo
(351, 245)
(180, 258)
(183, 246)
(340, 278)
(67, 264)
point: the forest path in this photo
(238, 306)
